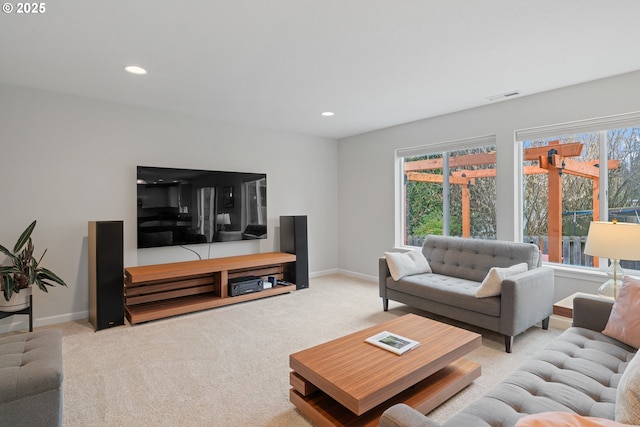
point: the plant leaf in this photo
(8, 253)
(8, 287)
(24, 237)
(9, 269)
(46, 274)
(41, 284)
(33, 273)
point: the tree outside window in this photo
(564, 189)
(450, 193)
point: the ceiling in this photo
(281, 63)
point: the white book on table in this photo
(392, 342)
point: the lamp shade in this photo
(223, 219)
(618, 241)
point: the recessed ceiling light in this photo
(328, 113)
(134, 69)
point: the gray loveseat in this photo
(578, 373)
(459, 266)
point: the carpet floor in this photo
(229, 366)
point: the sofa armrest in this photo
(383, 273)
(591, 312)
(401, 415)
(527, 298)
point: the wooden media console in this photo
(157, 291)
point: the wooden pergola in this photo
(554, 160)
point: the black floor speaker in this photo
(293, 240)
(106, 274)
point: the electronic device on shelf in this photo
(245, 285)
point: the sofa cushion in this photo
(578, 372)
(31, 379)
(628, 394)
(30, 363)
(403, 264)
(459, 293)
(491, 286)
(624, 320)
(472, 259)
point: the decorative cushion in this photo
(565, 419)
(492, 283)
(403, 264)
(624, 321)
(628, 394)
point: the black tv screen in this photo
(187, 206)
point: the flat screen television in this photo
(187, 206)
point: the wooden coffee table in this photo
(350, 382)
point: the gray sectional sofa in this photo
(459, 266)
(577, 373)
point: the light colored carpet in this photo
(229, 366)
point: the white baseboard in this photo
(69, 317)
(21, 322)
(344, 272)
(358, 275)
(323, 273)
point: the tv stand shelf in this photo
(154, 292)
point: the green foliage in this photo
(430, 224)
(424, 201)
(424, 205)
(25, 269)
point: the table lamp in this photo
(616, 241)
(223, 219)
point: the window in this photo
(206, 197)
(256, 201)
(448, 192)
(588, 171)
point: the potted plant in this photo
(24, 272)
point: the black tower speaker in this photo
(293, 240)
(106, 274)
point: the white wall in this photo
(66, 160)
(366, 165)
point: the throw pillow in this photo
(403, 264)
(628, 394)
(492, 283)
(565, 419)
(624, 320)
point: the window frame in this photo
(401, 153)
(601, 125)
